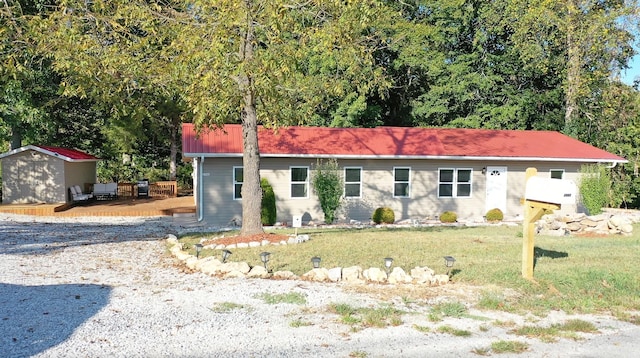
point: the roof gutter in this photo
(423, 157)
(200, 191)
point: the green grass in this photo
(364, 317)
(291, 298)
(454, 331)
(226, 307)
(552, 333)
(509, 347)
(299, 323)
(580, 274)
(447, 309)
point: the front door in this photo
(496, 188)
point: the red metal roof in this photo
(69, 154)
(388, 142)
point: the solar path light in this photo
(316, 262)
(264, 257)
(448, 262)
(388, 261)
(225, 255)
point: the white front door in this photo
(496, 189)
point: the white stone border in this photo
(354, 274)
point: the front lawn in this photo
(574, 274)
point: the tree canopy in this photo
(131, 72)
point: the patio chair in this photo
(77, 195)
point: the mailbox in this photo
(554, 191)
(297, 221)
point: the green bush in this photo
(494, 215)
(448, 217)
(384, 215)
(327, 185)
(268, 203)
(595, 185)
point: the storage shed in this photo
(43, 174)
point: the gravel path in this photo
(106, 287)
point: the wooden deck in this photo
(118, 207)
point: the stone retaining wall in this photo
(354, 274)
(610, 222)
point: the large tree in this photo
(594, 40)
(251, 61)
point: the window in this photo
(299, 182)
(238, 178)
(352, 182)
(401, 182)
(454, 183)
(556, 173)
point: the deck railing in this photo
(162, 189)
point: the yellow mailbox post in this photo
(540, 194)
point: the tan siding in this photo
(377, 189)
(217, 183)
(78, 173)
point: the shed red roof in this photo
(392, 142)
(71, 154)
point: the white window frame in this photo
(305, 183)
(359, 183)
(235, 182)
(455, 183)
(551, 171)
(408, 182)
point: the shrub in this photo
(595, 185)
(268, 204)
(494, 215)
(384, 215)
(327, 184)
(448, 217)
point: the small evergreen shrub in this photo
(494, 215)
(448, 217)
(268, 204)
(384, 215)
(328, 185)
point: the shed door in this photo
(496, 188)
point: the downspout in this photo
(200, 191)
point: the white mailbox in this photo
(297, 221)
(554, 191)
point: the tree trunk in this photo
(173, 152)
(251, 190)
(16, 137)
(574, 64)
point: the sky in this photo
(627, 76)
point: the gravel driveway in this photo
(106, 287)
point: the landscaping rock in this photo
(374, 274)
(285, 275)
(399, 276)
(422, 275)
(317, 274)
(352, 274)
(335, 274)
(259, 272)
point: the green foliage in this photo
(448, 217)
(295, 298)
(383, 215)
(494, 215)
(268, 203)
(503, 346)
(327, 185)
(595, 186)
